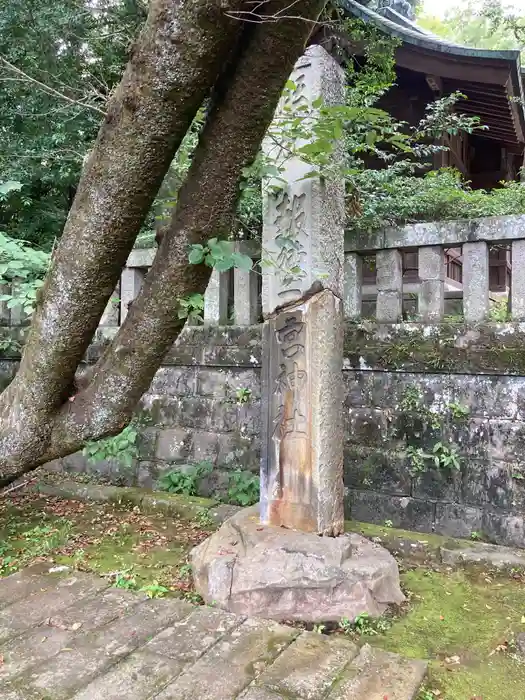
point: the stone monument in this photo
(290, 559)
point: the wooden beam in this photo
(452, 67)
(515, 110)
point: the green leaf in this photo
(242, 262)
(223, 264)
(196, 255)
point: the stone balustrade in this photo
(431, 240)
(235, 297)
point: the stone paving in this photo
(68, 635)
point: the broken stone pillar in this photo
(216, 299)
(303, 236)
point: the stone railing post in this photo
(17, 315)
(475, 282)
(130, 284)
(110, 317)
(302, 439)
(517, 283)
(431, 297)
(5, 315)
(216, 299)
(389, 265)
(353, 286)
(244, 295)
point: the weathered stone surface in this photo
(232, 663)
(27, 650)
(82, 492)
(482, 553)
(19, 616)
(216, 299)
(245, 296)
(457, 520)
(309, 211)
(110, 604)
(520, 643)
(57, 632)
(139, 676)
(302, 450)
(189, 639)
(174, 381)
(376, 675)
(222, 512)
(141, 257)
(188, 507)
(259, 694)
(404, 512)
(491, 348)
(442, 233)
(174, 444)
(389, 305)
(25, 583)
(271, 572)
(504, 528)
(517, 290)
(353, 281)
(92, 654)
(476, 281)
(431, 295)
(170, 650)
(309, 667)
(130, 284)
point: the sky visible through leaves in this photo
(439, 8)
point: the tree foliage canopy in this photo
(59, 62)
(488, 25)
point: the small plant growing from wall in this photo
(122, 447)
(243, 488)
(243, 395)
(185, 479)
(440, 455)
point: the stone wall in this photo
(408, 386)
(194, 411)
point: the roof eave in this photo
(430, 42)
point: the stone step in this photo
(111, 644)
(379, 675)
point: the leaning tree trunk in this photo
(150, 112)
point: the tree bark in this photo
(173, 65)
(246, 97)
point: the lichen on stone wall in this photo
(491, 348)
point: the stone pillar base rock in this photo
(272, 572)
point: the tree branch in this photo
(175, 62)
(206, 207)
(47, 88)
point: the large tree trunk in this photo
(176, 60)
